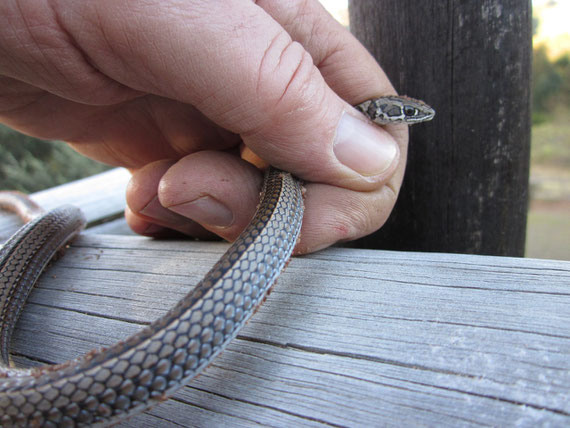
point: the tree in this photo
(29, 164)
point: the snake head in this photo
(385, 110)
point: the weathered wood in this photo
(347, 337)
(101, 197)
(466, 186)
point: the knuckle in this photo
(358, 219)
(287, 74)
(46, 55)
(365, 214)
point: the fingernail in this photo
(153, 229)
(156, 211)
(363, 147)
(206, 211)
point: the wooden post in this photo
(466, 185)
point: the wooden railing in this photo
(347, 337)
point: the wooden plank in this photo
(466, 183)
(347, 337)
(118, 226)
(100, 197)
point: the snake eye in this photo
(410, 111)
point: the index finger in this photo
(238, 64)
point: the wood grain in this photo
(347, 337)
(466, 183)
(101, 197)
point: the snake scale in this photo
(106, 386)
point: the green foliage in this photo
(550, 85)
(551, 141)
(28, 164)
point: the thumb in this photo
(240, 67)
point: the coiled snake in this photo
(106, 386)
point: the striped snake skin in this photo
(106, 386)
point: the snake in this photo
(104, 387)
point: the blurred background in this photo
(29, 165)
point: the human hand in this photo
(171, 89)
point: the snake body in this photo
(105, 386)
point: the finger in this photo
(142, 226)
(334, 214)
(251, 79)
(130, 134)
(36, 50)
(215, 189)
(354, 74)
(220, 192)
(144, 130)
(344, 62)
(145, 214)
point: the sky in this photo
(553, 16)
(338, 9)
(554, 27)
